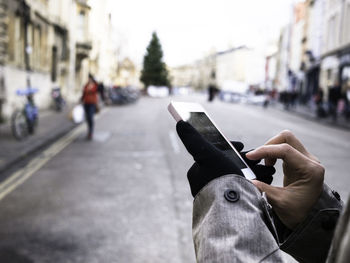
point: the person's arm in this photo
(311, 239)
(232, 223)
(82, 95)
(305, 209)
(231, 220)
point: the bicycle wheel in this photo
(19, 125)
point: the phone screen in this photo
(201, 122)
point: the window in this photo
(81, 26)
(11, 38)
(37, 47)
(19, 41)
(329, 74)
(15, 47)
(54, 64)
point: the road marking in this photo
(174, 140)
(20, 176)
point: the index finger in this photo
(279, 151)
(288, 137)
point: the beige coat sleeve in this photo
(232, 223)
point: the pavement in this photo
(309, 113)
(51, 126)
(124, 197)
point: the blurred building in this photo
(184, 76)
(3, 52)
(282, 59)
(48, 44)
(231, 70)
(70, 45)
(295, 75)
(103, 56)
(336, 53)
(238, 68)
(206, 71)
(314, 43)
(127, 74)
(271, 71)
(314, 49)
(27, 60)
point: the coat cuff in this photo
(231, 223)
(311, 240)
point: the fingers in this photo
(288, 137)
(195, 144)
(273, 193)
(248, 161)
(238, 145)
(264, 173)
(280, 151)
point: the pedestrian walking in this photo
(212, 91)
(237, 220)
(347, 101)
(318, 99)
(334, 95)
(101, 90)
(90, 101)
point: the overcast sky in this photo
(188, 29)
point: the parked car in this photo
(123, 95)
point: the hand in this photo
(263, 173)
(302, 182)
(210, 162)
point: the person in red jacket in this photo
(90, 100)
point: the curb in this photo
(324, 121)
(35, 148)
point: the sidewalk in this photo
(310, 114)
(51, 126)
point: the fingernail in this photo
(250, 153)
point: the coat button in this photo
(336, 195)
(231, 195)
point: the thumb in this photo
(273, 193)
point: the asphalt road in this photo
(124, 197)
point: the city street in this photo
(124, 196)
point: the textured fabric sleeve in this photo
(231, 223)
(311, 240)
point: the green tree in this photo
(154, 70)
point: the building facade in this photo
(314, 43)
(329, 45)
(47, 44)
(3, 52)
(314, 49)
(234, 70)
(103, 61)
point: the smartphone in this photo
(194, 114)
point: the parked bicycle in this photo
(24, 121)
(57, 100)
